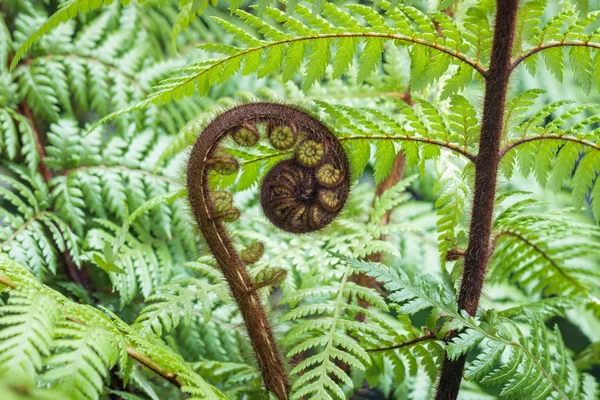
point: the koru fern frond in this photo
(300, 194)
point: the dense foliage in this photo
(108, 290)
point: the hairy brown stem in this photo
(486, 168)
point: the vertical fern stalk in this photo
(302, 193)
(486, 169)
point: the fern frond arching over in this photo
(565, 31)
(293, 35)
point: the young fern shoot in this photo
(301, 194)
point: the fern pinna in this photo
(109, 290)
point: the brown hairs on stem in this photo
(301, 194)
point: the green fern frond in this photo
(97, 341)
(29, 322)
(68, 11)
(176, 303)
(33, 235)
(330, 333)
(564, 148)
(531, 370)
(537, 367)
(564, 30)
(545, 253)
(82, 360)
(318, 36)
(453, 191)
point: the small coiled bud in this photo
(282, 137)
(270, 277)
(310, 153)
(247, 136)
(224, 209)
(253, 253)
(329, 176)
(223, 163)
(329, 200)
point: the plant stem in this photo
(142, 359)
(486, 169)
(7, 282)
(430, 336)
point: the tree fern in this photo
(109, 291)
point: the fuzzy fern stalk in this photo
(484, 194)
(300, 194)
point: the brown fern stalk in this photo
(486, 169)
(300, 194)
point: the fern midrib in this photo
(23, 227)
(334, 318)
(530, 52)
(519, 142)
(389, 36)
(553, 263)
